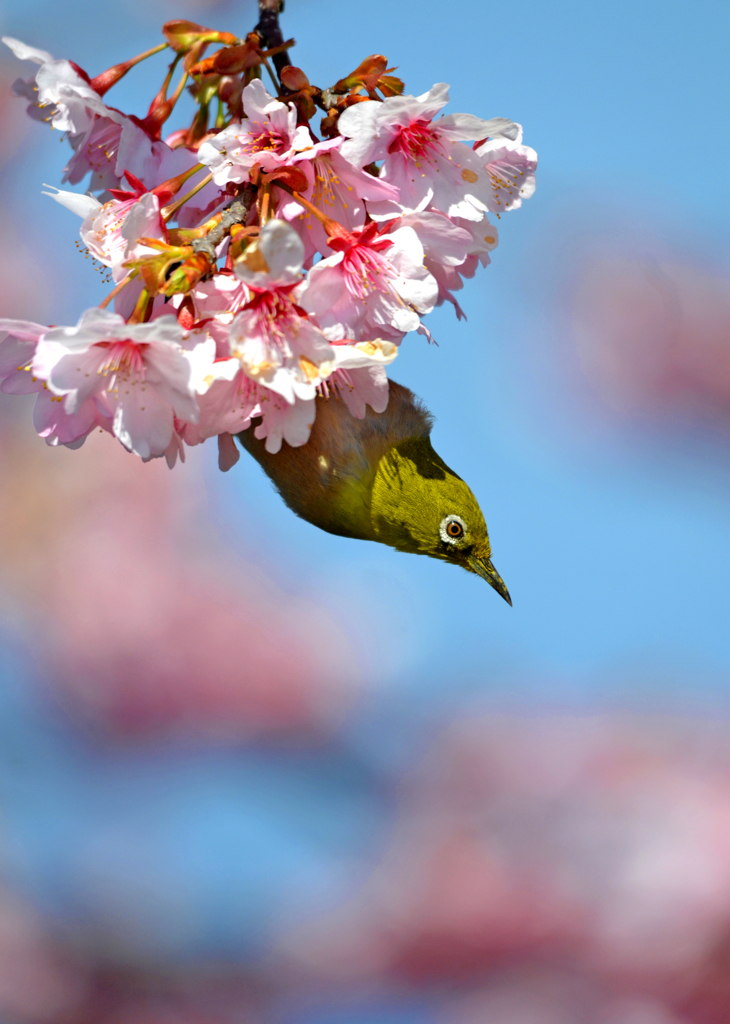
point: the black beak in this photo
(483, 567)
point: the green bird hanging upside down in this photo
(379, 479)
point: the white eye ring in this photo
(449, 534)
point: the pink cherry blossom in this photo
(111, 231)
(74, 102)
(26, 87)
(226, 406)
(426, 160)
(234, 399)
(216, 303)
(273, 339)
(277, 358)
(140, 376)
(267, 136)
(359, 378)
(373, 286)
(114, 144)
(18, 377)
(256, 343)
(283, 421)
(24, 52)
(360, 382)
(58, 93)
(443, 240)
(338, 189)
(105, 141)
(279, 347)
(484, 238)
(97, 151)
(453, 249)
(359, 388)
(168, 163)
(511, 169)
(445, 248)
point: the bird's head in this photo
(420, 505)
(377, 477)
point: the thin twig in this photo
(272, 76)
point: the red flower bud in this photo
(293, 78)
(111, 76)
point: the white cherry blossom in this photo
(273, 339)
(268, 136)
(259, 342)
(18, 377)
(425, 159)
(511, 168)
(372, 286)
(277, 357)
(111, 231)
(339, 190)
(141, 376)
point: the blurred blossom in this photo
(145, 620)
(541, 997)
(652, 329)
(600, 845)
(568, 869)
(35, 982)
(14, 126)
(23, 278)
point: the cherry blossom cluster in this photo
(257, 262)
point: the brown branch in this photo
(235, 213)
(269, 30)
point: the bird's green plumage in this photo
(379, 478)
(412, 492)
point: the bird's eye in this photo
(452, 528)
